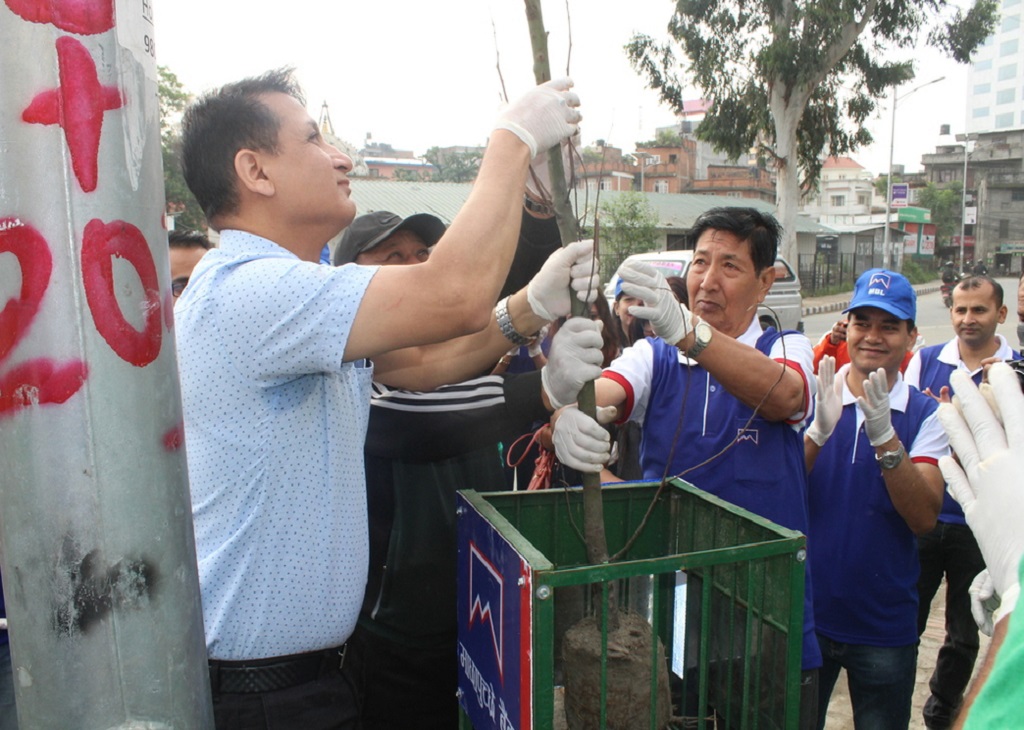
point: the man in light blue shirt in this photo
(274, 351)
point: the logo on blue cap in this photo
(886, 290)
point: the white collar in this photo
(899, 394)
(950, 353)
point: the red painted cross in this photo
(77, 105)
(84, 17)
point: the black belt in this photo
(267, 675)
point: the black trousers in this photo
(402, 686)
(327, 703)
(949, 550)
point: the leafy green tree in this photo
(179, 200)
(628, 225)
(408, 175)
(453, 166)
(664, 138)
(882, 183)
(946, 205)
(792, 79)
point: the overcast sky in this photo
(415, 74)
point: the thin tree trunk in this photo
(593, 504)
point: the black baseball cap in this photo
(369, 230)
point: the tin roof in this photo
(444, 200)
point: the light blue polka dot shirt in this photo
(274, 432)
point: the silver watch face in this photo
(703, 333)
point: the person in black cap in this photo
(383, 237)
(421, 448)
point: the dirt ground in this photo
(840, 716)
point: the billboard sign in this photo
(900, 195)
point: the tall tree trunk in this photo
(786, 111)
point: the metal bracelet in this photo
(505, 324)
(539, 208)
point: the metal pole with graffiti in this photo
(98, 560)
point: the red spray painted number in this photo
(40, 380)
(84, 17)
(101, 243)
(77, 105)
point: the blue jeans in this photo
(951, 550)
(881, 681)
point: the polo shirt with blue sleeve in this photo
(931, 368)
(863, 555)
(274, 430)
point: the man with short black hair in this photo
(950, 549)
(274, 350)
(185, 249)
(871, 452)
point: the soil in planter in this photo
(629, 676)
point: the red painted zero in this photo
(100, 244)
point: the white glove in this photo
(580, 441)
(538, 179)
(875, 405)
(536, 345)
(543, 116)
(828, 402)
(575, 359)
(669, 318)
(987, 481)
(571, 267)
(983, 601)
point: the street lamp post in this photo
(888, 195)
(966, 139)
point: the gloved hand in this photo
(535, 346)
(987, 480)
(538, 179)
(875, 405)
(575, 359)
(580, 442)
(828, 402)
(570, 267)
(543, 116)
(669, 318)
(984, 601)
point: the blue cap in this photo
(886, 290)
(618, 286)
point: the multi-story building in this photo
(667, 169)
(995, 190)
(844, 194)
(737, 181)
(382, 160)
(995, 82)
(605, 167)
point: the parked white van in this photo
(781, 309)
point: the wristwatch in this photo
(891, 459)
(701, 338)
